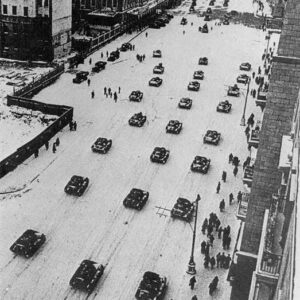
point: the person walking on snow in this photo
(89, 81)
(93, 94)
(222, 205)
(194, 297)
(224, 175)
(235, 171)
(119, 89)
(109, 91)
(53, 148)
(212, 262)
(230, 158)
(220, 230)
(218, 187)
(57, 142)
(230, 198)
(192, 282)
(47, 145)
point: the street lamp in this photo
(192, 266)
(243, 123)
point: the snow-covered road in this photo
(97, 226)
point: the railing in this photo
(248, 175)
(270, 263)
(254, 138)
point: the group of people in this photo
(141, 57)
(235, 161)
(108, 92)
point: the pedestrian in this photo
(106, 53)
(89, 82)
(194, 297)
(183, 32)
(222, 260)
(228, 241)
(36, 153)
(259, 70)
(47, 145)
(70, 126)
(133, 47)
(192, 24)
(90, 61)
(235, 161)
(203, 246)
(57, 142)
(213, 285)
(119, 89)
(222, 205)
(146, 34)
(212, 262)
(101, 54)
(247, 132)
(235, 171)
(218, 187)
(230, 158)
(53, 148)
(254, 93)
(253, 74)
(220, 230)
(211, 239)
(75, 126)
(207, 249)
(144, 56)
(115, 97)
(217, 223)
(227, 262)
(209, 229)
(224, 175)
(192, 282)
(239, 197)
(109, 90)
(230, 198)
(105, 90)
(92, 94)
(218, 257)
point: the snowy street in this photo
(97, 226)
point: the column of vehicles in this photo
(161, 20)
(152, 286)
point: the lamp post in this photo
(243, 123)
(192, 266)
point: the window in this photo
(46, 3)
(5, 9)
(39, 3)
(25, 11)
(14, 10)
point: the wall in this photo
(20, 7)
(61, 13)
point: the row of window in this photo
(14, 10)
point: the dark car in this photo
(183, 21)
(224, 106)
(199, 75)
(208, 11)
(192, 9)
(113, 55)
(203, 61)
(243, 78)
(136, 96)
(174, 126)
(125, 47)
(185, 103)
(200, 164)
(163, 19)
(87, 276)
(28, 243)
(193, 86)
(159, 69)
(136, 199)
(160, 155)
(245, 66)
(205, 28)
(154, 25)
(206, 18)
(77, 185)
(156, 81)
(137, 120)
(157, 53)
(183, 209)
(233, 91)
(101, 145)
(152, 287)
(212, 137)
(80, 77)
(99, 66)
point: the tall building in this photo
(262, 253)
(35, 29)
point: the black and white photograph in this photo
(149, 149)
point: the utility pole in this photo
(243, 123)
(192, 266)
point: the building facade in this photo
(262, 254)
(35, 29)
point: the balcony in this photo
(286, 154)
(261, 98)
(243, 207)
(248, 175)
